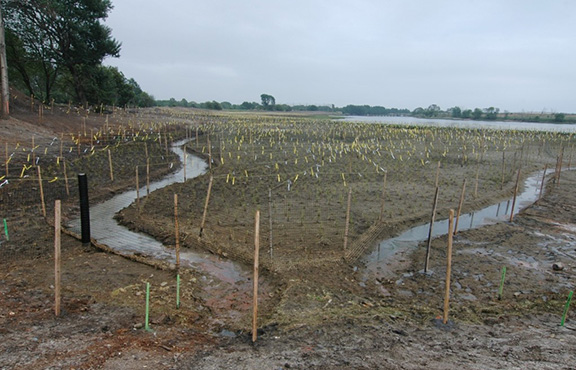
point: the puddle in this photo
(225, 279)
(384, 252)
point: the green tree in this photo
(559, 117)
(466, 113)
(455, 112)
(62, 35)
(491, 113)
(477, 114)
(268, 101)
(432, 111)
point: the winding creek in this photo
(378, 261)
(225, 283)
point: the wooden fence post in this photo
(255, 279)
(460, 204)
(514, 198)
(347, 227)
(448, 266)
(432, 220)
(137, 190)
(57, 257)
(206, 206)
(542, 184)
(110, 163)
(41, 192)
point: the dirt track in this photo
(325, 320)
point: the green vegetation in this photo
(55, 50)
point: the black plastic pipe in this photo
(84, 208)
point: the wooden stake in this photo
(437, 173)
(137, 190)
(33, 152)
(61, 144)
(6, 156)
(110, 163)
(41, 192)
(177, 233)
(432, 220)
(448, 266)
(476, 186)
(514, 198)
(206, 206)
(65, 176)
(460, 204)
(255, 280)
(542, 184)
(185, 161)
(57, 257)
(381, 217)
(209, 153)
(503, 169)
(560, 160)
(347, 227)
(147, 176)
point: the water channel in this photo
(377, 261)
(222, 279)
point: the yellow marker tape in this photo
(54, 179)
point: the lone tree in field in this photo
(50, 39)
(268, 101)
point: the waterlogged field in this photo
(299, 173)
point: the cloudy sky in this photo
(518, 55)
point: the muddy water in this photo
(385, 255)
(226, 284)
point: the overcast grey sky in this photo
(518, 55)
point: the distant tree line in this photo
(268, 103)
(486, 114)
(366, 110)
(434, 111)
(55, 49)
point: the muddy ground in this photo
(326, 316)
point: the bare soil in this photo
(321, 311)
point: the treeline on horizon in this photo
(353, 110)
(433, 111)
